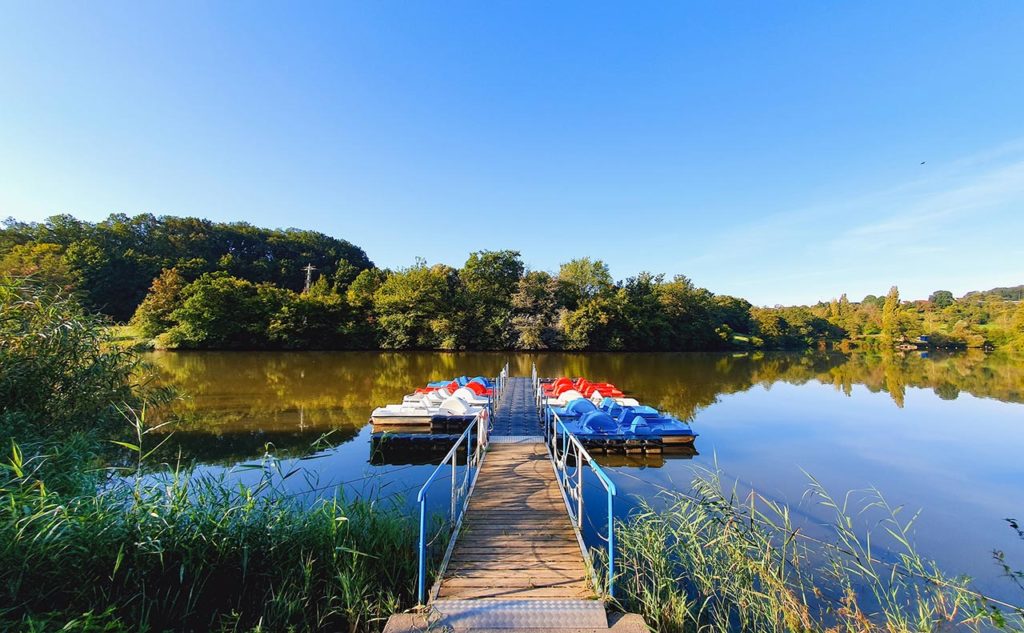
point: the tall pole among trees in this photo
(309, 277)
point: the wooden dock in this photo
(516, 539)
(517, 562)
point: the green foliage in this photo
(57, 367)
(418, 308)
(220, 311)
(188, 552)
(535, 312)
(115, 261)
(153, 315)
(44, 263)
(892, 330)
(645, 322)
(941, 298)
(692, 315)
(171, 550)
(710, 560)
(61, 383)
(593, 325)
(360, 292)
(315, 320)
(492, 302)
(489, 279)
(582, 279)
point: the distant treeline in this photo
(114, 262)
(196, 284)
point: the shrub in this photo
(58, 373)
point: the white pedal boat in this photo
(597, 399)
(564, 399)
(422, 413)
(435, 398)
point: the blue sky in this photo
(767, 150)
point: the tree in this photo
(690, 313)
(115, 261)
(489, 279)
(1017, 336)
(219, 311)
(43, 262)
(360, 292)
(644, 322)
(309, 321)
(593, 325)
(153, 315)
(941, 298)
(582, 279)
(419, 307)
(535, 307)
(344, 275)
(733, 312)
(891, 326)
(770, 326)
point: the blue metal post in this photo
(611, 548)
(423, 552)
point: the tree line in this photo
(187, 283)
(112, 263)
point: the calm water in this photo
(943, 434)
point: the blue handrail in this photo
(571, 483)
(479, 428)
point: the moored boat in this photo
(601, 416)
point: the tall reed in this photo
(708, 560)
(87, 547)
(189, 552)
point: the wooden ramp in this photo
(516, 540)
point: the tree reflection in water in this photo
(233, 403)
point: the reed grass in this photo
(708, 560)
(95, 538)
(189, 552)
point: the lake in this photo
(942, 434)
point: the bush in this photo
(219, 311)
(59, 375)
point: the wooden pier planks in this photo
(516, 540)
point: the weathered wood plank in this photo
(514, 567)
(515, 593)
(525, 582)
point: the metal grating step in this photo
(516, 439)
(519, 614)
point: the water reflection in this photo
(235, 403)
(940, 433)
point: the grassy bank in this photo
(196, 554)
(707, 560)
(89, 544)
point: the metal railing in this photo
(500, 383)
(569, 456)
(474, 440)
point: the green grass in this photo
(190, 552)
(708, 561)
(89, 544)
(129, 337)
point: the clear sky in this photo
(767, 150)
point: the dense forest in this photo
(188, 283)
